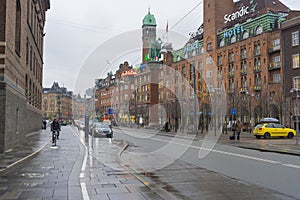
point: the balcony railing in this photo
(256, 69)
(257, 88)
(243, 72)
(274, 66)
(243, 90)
(230, 75)
(274, 49)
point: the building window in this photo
(295, 38)
(220, 60)
(231, 57)
(244, 54)
(259, 30)
(222, 43)
(257, 50)
(295, 58)
(209, 46)
(201, 50)
(200, 65)
(276, 59)
(233, 39)
(209, 74)
(276, 44)
(126, 96)
(296, 82)
(245, 35)
(209, 60)
(276, 78)
(18, 28)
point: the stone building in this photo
(78, 107)
(57, 103)
(21, 68)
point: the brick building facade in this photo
(290, 63)
(21, 68)
(236, 54)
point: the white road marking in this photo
(233, 154)
(84, 191)
(292, 166)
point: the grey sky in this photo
(76, 28)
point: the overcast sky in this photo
(78, 31)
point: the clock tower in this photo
(149, 34)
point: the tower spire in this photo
(149, 9)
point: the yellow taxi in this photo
(268, 130)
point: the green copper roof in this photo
(149, 20)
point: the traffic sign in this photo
(233, 111)
(110, 111)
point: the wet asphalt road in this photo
(225, 173)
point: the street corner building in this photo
(22, 25)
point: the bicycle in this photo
(54, 137)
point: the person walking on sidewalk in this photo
(238, 128)
(55, 126)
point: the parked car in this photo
(101, 129)
(268, 130)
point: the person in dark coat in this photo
(238, 128)
(44, 124)
(55, 126)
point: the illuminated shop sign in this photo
(129, 73)
(191, 47)
(235, 31)
(234, 16)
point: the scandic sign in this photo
(234, 16)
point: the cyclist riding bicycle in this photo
(55, 127)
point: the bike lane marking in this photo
(84, 191)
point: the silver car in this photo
(101, 130)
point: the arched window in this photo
(201, 50)
(245, 35)
(18, 28)
(259, 30)
(222, 43)
(233, 39)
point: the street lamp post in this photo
(296, 112)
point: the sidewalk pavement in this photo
(67, 171)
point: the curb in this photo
(269, 150)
